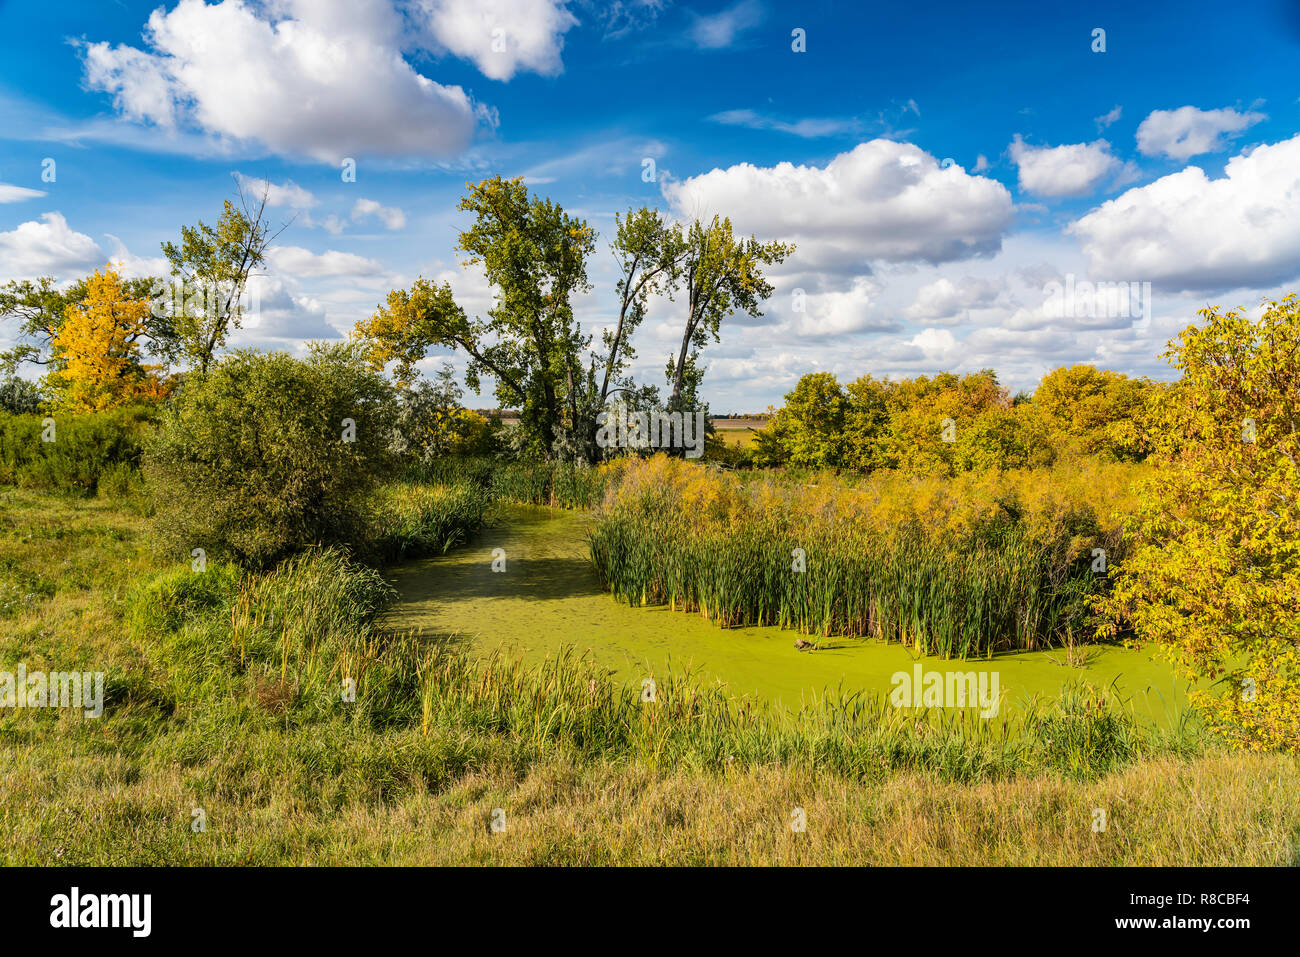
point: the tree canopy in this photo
(1215, 580)
(96, 349)
(535, 256)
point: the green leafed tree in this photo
(721, 274)
(808, 431)
(535, 257)
(211, 267)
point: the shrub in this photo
(19, 397)
(83, 448)
(266, 454)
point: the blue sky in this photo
(939, 166)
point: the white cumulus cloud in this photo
(882, 200)
(936, 345)
(320, 78)
(1187, 131)
(1189, 232)
(501, 37)
(49, 247)
(1070, 170)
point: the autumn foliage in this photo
(96, 353)
(1215, 580)
(948, 424)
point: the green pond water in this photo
(548, 598)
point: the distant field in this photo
(740, 438)
(734, 424)
(738, 432)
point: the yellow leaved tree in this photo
(95, 354)
(1215, 577)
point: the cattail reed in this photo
(949, 567)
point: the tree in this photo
(432, 423)
(39, 308)
(867, 424)
(650, 252)
(810, 427)
(267, 454)
(1214, 579)
(929, 417)
(213, 266)
(1095, 410)
(96, 353)
(536, 258)
(721, 274)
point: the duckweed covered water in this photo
(548, 598)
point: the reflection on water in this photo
(548, 597)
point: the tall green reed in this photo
(805, 564)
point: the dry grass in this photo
(1160, 813)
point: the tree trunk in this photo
(680, 371)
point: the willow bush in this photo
(953, 567)
(266, 454)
